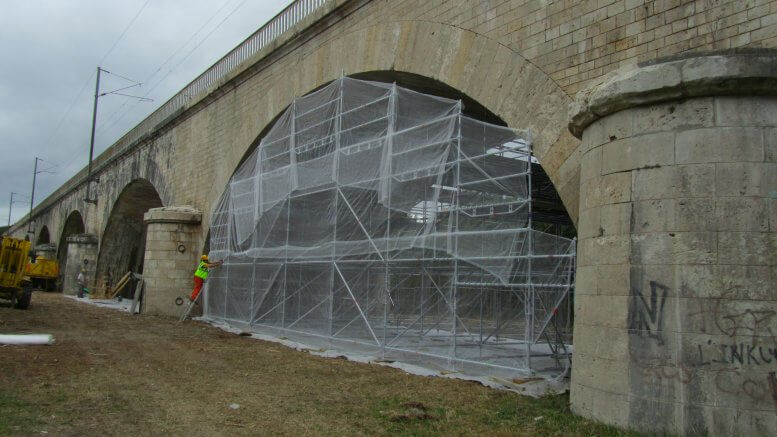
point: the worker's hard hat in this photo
(204, 257)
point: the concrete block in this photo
(647, 280)
(654, 215)
(720, 144)
(611, 249)
(746, 111)
(594, 136)
(616, 218)
(674, 116)
(614, 280)
(747, 248)
(694, 214)
(697, 180)
(644, 151)
(747, 283)
(618, 125)
(616, 188)
(585, 282)
(590, 193)
(605, 374)
(588, 225)
(609, 311)
(771, 144)
(612, 408)
(674, 248)
(745, 179)
(772, 214)
(742, 214)
(697, 281)
(591, 164)
(601, 341)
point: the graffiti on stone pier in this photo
(713, 318)
(737, 366)
(646, 314)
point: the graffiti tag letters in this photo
(646, 315)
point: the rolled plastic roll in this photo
(23, 339)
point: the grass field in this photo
(113, 374)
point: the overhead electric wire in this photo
(108, 124)
(124, 32)
(160, 81)
(122, 77)
(89, 80)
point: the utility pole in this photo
(97, 95)
(10, 207)
(32, 196)
(91, 141)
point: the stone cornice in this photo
(740, 72)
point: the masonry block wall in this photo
(574, 43)
(676, 311)
(524, 61)
(81, 256)
(172, 254)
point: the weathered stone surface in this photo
(645, 151)
(175, 214)
(752, 73)
(696, 282)
(171, 256)
(527, 78)
(720, 144)
(695, 113)
(675, 181)
(81, 256)
(755, 111)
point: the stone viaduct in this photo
(673, 188)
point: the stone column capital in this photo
(82, 239)
(173, 214)
(730, 72)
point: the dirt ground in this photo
(110, 373)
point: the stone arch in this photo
(43, 236)
(74, 225)
(123, 241)
(490, 73)
(552, 215)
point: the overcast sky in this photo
(49, 52)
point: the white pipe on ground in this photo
(23, 339)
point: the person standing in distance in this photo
(81, 283)
(201, 274)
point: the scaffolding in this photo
(385, 223)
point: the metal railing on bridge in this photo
(290, 16)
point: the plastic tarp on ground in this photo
(384, 222)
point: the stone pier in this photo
(172, 252)
(81, 255)
(676, 298)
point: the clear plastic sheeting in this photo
(384, 222)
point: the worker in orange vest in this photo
(201, 274)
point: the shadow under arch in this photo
(43, 236)
(123, 241)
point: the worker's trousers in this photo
(197, 287)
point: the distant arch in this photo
(43, 236)
(123, 242)
(74, 225)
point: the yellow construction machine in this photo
(14, 284)
(43, 273)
